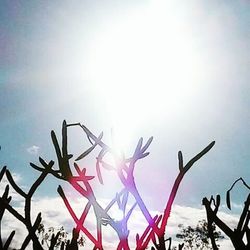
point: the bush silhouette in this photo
(197, 237)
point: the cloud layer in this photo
(55, 215)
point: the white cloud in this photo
(56, 215)
(33, 150)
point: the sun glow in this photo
(143, 65)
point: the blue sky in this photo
(174, 70)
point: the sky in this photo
(174, 70)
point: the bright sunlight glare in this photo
(143, 66)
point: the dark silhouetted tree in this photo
(198, 237)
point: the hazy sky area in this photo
(175, 70)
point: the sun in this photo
(143, 66)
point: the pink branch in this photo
(78, 222)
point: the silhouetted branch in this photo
(62, 155)
(14, 185)
(2, 172)
(53, 240)
(6, 199)
(182, 172)
(228, 191)
(79, 223)
(8, 241)
(26, 219)
(236, 235)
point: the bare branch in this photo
(14, 185)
